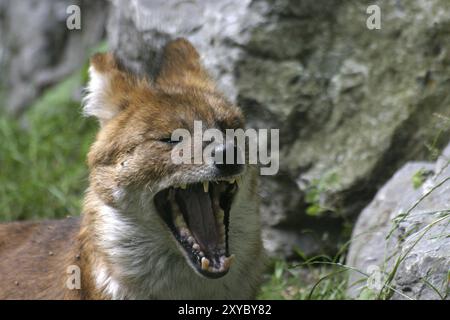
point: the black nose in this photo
(233, 164)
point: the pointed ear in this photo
(181, 66)
(107, 88)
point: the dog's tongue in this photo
(197, 207)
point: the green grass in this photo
(290, 281)
(42, 157)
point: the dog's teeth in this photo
(191, 239)
(196, 246)
(184, 232)
(222, 260)
(228, 261)
(183, 186)
(239, 181)
(201, 254)
(205, 186)
(231, 181)
(205, 263)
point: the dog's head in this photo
(132, 160)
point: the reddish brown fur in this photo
(34, 257)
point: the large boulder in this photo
(352, 104)
(37, 49)
(404, 235)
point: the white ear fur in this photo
(95, 102)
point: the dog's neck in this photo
(123, 248)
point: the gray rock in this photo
(137, 30)
(352, 104)
(37, 49)
(409, 226)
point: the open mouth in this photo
(198, 215)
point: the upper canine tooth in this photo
(239, 181)
(231, 181)
(205, 263)
(211, 269)
(205, 186)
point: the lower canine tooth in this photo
(205, 186)
(227, 262)
(205, 263)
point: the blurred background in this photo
(353, 104)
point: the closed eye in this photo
(170, 141)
